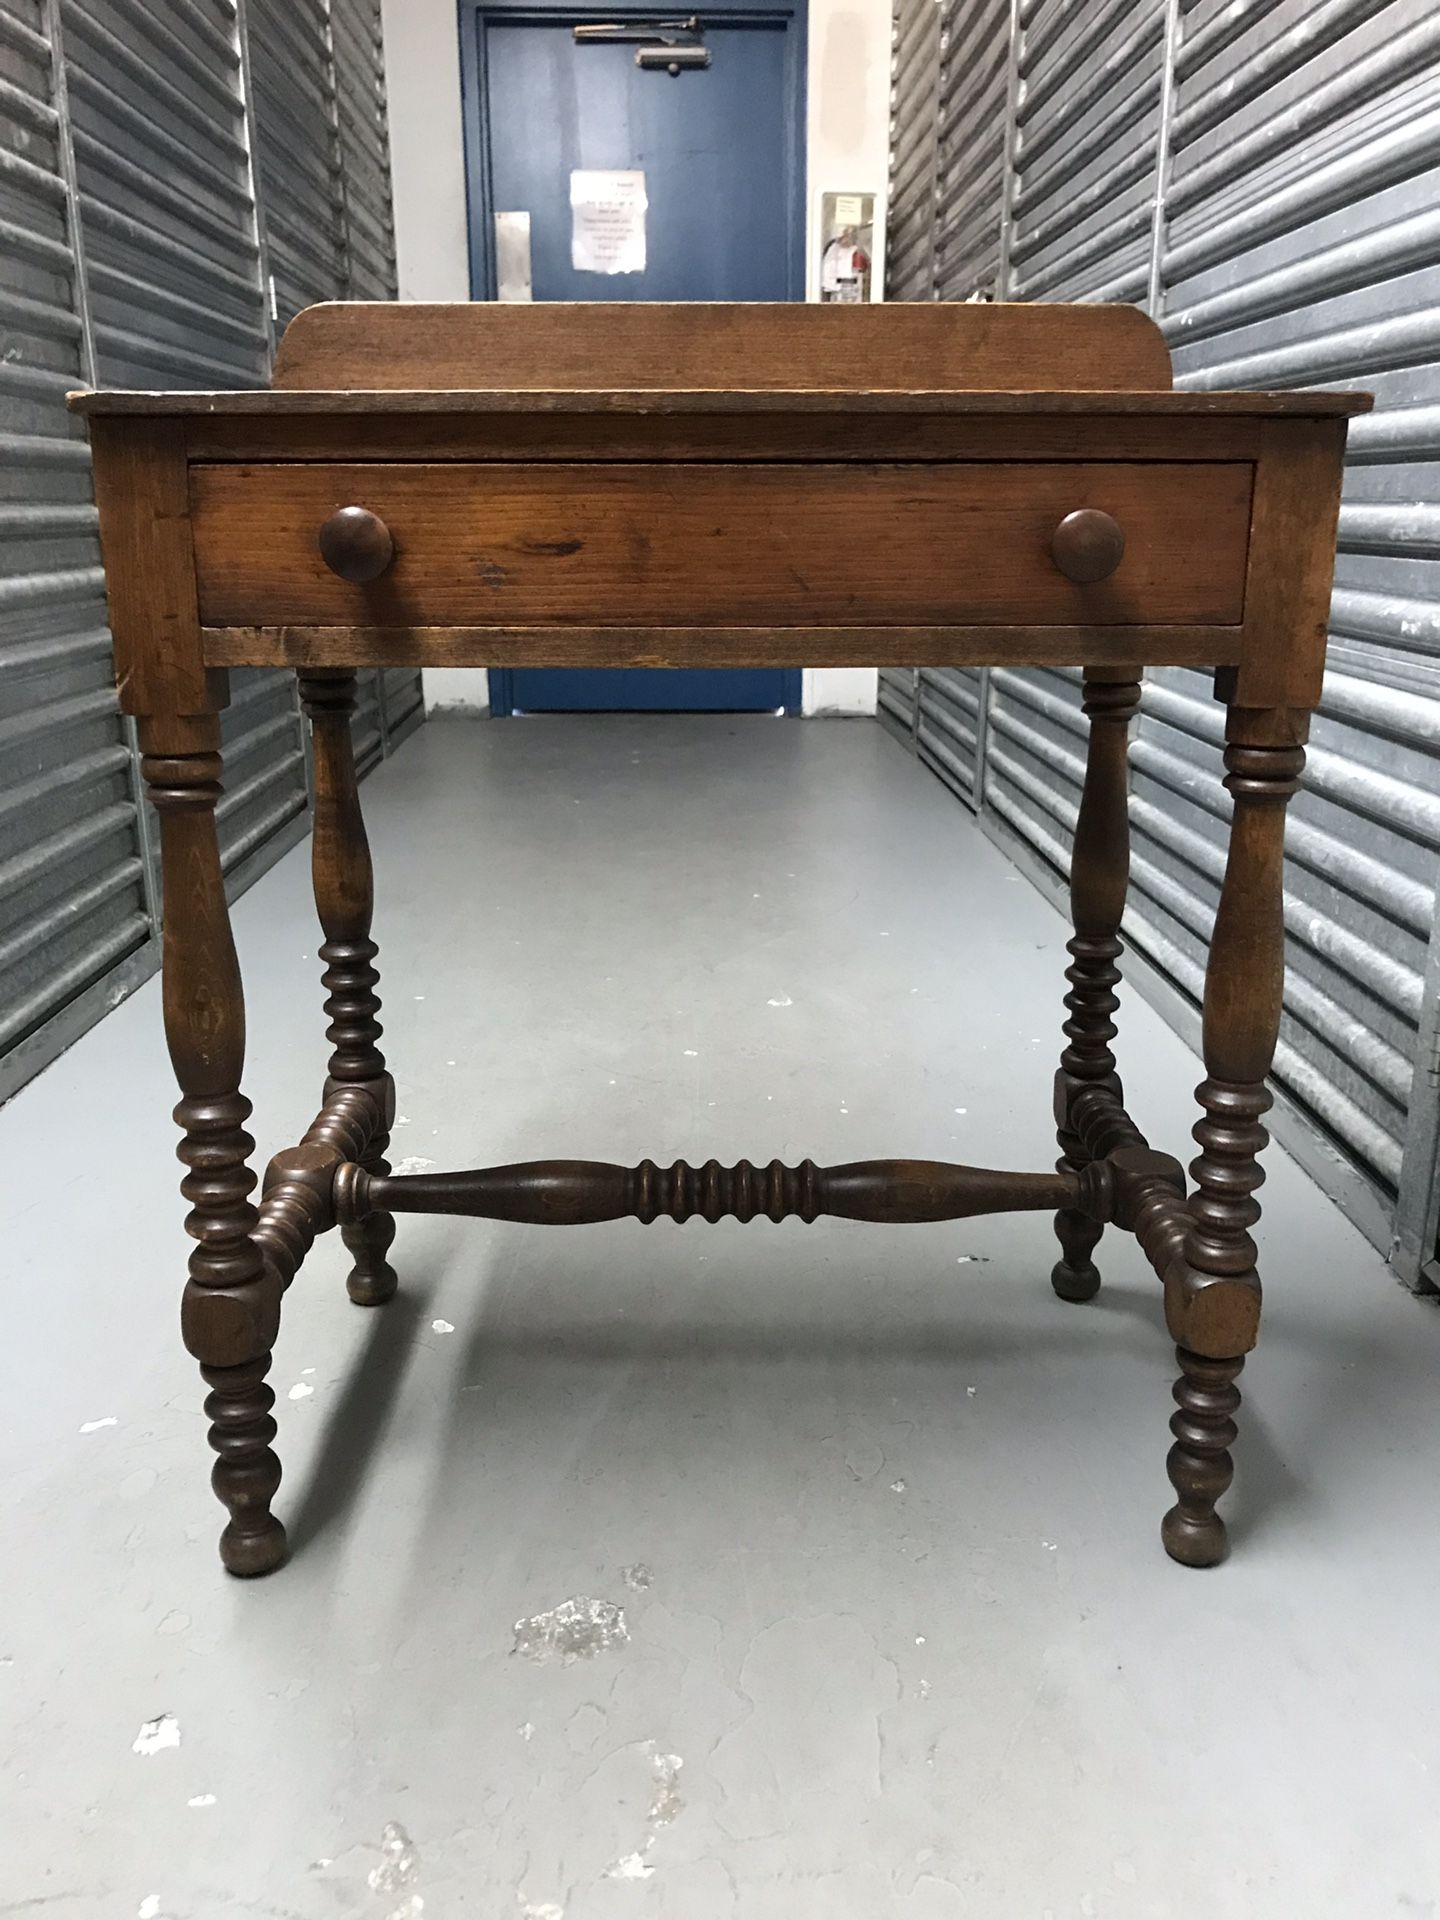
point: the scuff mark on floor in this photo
(577, 1629)
(156, 1735)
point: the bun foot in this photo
(1194, 1542)
(372, 1280)
(1075, 1282)
(249, 1555)
(1075, 1275)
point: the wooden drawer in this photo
(722, 545)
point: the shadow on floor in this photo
(362, 1415)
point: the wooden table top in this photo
(646, 484)
(698, 400)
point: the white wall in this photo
(427, 148)
(847, 151)
(847, 136)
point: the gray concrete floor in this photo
(880, 1512)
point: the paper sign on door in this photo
(607, 221)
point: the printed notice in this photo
(607, 221)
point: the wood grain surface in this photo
(652, 646)
(725, 546)
(699, 344)
(1009, 402)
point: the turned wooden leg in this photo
(1212, 1294)
(345, 901)
(1199, 1464)
(1099, 876)
(231, 1309)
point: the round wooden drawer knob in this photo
(1088, 546)
(356, 544)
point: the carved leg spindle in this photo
(1212, 1294)
(1099, 876)
(231, 1309)
(344, 899)
(1199, 1465)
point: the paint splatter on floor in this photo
(665, 1802)
(638, 1577)
(156, 1735)
(665, 1807)
(94, 1426)
(634, 1866)
(399, 1861)
(577, 1629)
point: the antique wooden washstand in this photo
(717, 486)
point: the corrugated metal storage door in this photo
(947, 726)
(303, 197)
(173, 260)
(974, 75)
(914, 102)
(297, 164)
(128, 216)
(895, 701)
(74, 917)
(1300, 249)
(297, 156)
(970, 172)
(1087, 118)
(1266, 178)
(360, 120)
(402, 693)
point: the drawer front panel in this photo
(673, 545)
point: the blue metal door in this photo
(720, 148)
